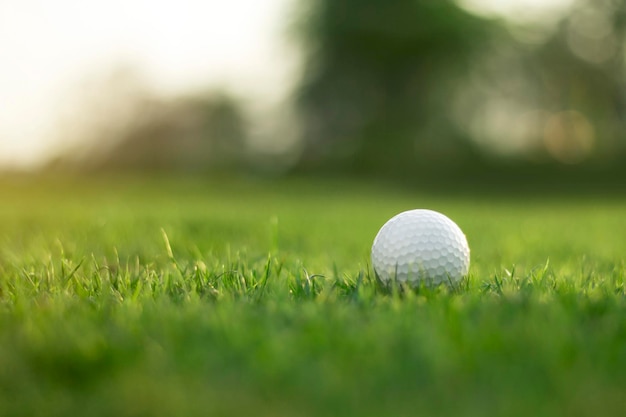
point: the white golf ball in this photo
(421, 246)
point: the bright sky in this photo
(48, 47)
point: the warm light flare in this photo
(48, 48)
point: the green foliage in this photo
(379, 76)
(169, 297)
(582, 67)
(400, 87)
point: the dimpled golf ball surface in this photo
(420, 246)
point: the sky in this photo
(48, 48)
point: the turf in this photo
(182, 297)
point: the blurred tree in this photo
(378, 79)
(128, 128)
(582, 68)
(397, 86)
(192, 134)
(560, 100)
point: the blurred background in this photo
(482, 91)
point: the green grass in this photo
(188, 298)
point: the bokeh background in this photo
(468, 91)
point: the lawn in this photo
(167, 297)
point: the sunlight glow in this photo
(48, 48)
(519, 11)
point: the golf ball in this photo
(420, 246)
